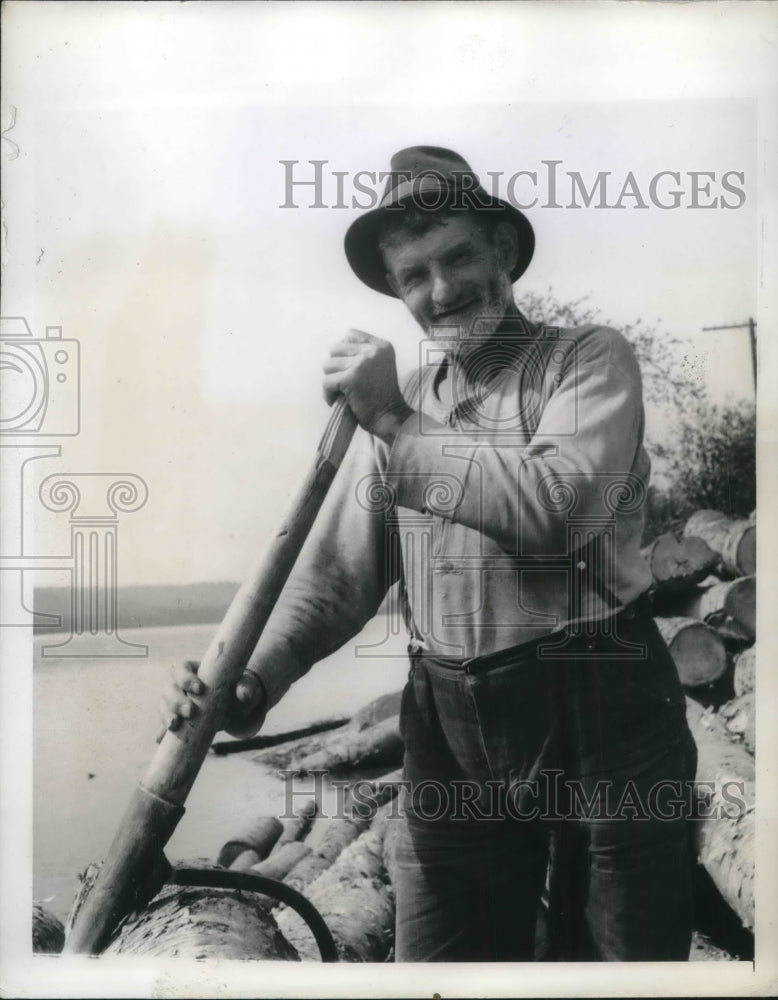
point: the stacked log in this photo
(708, 622)
(355, 899)
(729, 603)
(697, 649)
(725, 831)
(744, 672)
(679, 563)
(739, 717)
(253, 845)
(370, 739)
(48, 932)
(340, 833)
(348, 886)
(710, 628)
(281, 862)
(297, 827)
(733, 540)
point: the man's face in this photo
(450, 276)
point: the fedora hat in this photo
(430, 177)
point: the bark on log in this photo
(745, 671)
(359, 810)
(299, 827)
(723, 603)
(288, 754)
(203, 923)
(378, 744)
(677, 564)
(340, 833)
(245, 860)
(355, 900)
(281, 757)
(733, 540)
(698, 651)
(259, 837)
(281, 862)
(704, 950)
(725, 835)
(739, 720)
(383, 707)
(48, 932)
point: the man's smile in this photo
(455, 310)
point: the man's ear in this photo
(506, 241)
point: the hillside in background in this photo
(168, 604)
(144, 606)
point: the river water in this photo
(94, 728)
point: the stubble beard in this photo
(467, 340)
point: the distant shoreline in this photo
(146, 606)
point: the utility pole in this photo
(751, 324)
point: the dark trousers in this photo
(574, 747)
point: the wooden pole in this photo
(752, 337)
(131, 872)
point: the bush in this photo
(655, 349)
(711, 464)
(710, 461)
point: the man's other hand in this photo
(364, 370)
(184, 689)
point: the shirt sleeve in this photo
(585, 443)
(339, 580)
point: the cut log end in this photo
(259, 838)
(678, 564)
(733, 540)
(698, 652)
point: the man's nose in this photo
(443, 289)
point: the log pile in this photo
(344, 876)
(355, 898)
(725, 830)
(734, 541)
(709, 624)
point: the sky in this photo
(143, 205)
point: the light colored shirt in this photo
(490, 497)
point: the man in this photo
(543, 713)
